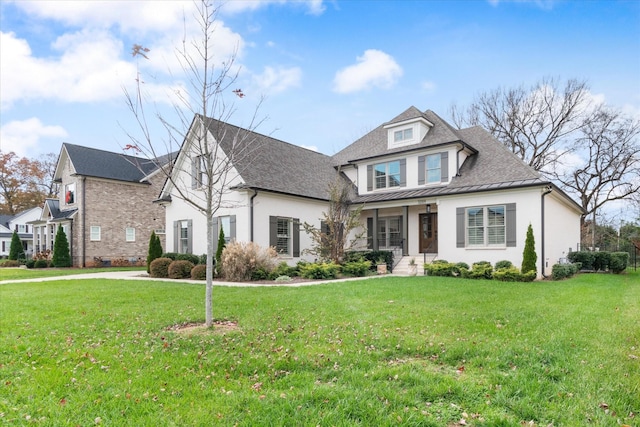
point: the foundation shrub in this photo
(10, 263)
(180, 269)
(503, 264)
(41, 263)
(479, 270)
(512, 274)
(619, 262)
(320, 270)
(440, 267)
(585, 258)
(356, 268)
(564, 271)
(240, 260)
(199, 272)
(284, 269)
(159, 267)
(601, 260)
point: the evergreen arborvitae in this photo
(529, 257)
(16, 251)
(61, 255)
(221, 245)
(155, 249)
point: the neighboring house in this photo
(20, 223)
(427, 190)
(105, 205)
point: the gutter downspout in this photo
(547, 191)
(84, 222)
(255, 193)
(458, 159)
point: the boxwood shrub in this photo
(180, 269)
(159, 267)
(619, 262)
(319, 270)
(564, 271)
(199, 272)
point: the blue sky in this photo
(330, 70)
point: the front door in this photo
(429, 233)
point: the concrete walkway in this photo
(142, 275)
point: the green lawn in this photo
(394, 351)
(34, 273)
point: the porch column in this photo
(375, 229)
(405, 230)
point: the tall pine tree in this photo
(61, 255)
(529, 257)
(16, 251)
(155, 249)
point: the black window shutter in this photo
(232, 227)
(369, 233)
(460, 237)
(421, 170)
(273, 231)
(403, 172)
(324, 227)
(511, 225)
(369, 177)
(176, 235)
(296, 236)
(444, 167)
(190, 236)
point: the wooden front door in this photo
(429, 233)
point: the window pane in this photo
(408, 133)
(433, 168)
(476, 236)
(380, 173)
(495, 215)
(283, 237)
(394, 174)
(496, 235)
(397, 136)
(475, 217)
(225, 224)
(130, 234)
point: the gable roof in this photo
(273, 165)
(97, 163)
(374, 143)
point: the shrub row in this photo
(616, 262)
(505, 271)
(372, 256)
(564, 271)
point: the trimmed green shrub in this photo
(159, 267)
(563, 271)
(585, 258)
(458, 267)
(320, 270)
(479, 270)
(284, 269)
(199, 272)
(601, 260)
(356, 268)
(372, 256)
(260, 274)
(180, 269)
(155, 249)
(41, 263)
(171, 255)
(30, 263)
(440, 268)
(512, 274)
(529, 256)
(503, 264)
(618, 262)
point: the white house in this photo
(21, 223)
(427, 190)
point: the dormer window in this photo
(403, 135)
(407, 132)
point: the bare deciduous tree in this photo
(536, 123)
(610, 151)
(24, 182)
(332, 239)
(204, 109)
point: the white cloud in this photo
(373, 69)
(315, 7)
(23, 136)
(276, 80)
(428, 86)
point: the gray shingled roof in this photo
(270, 164)
(56, 213)
(374, 143)
(105, 164)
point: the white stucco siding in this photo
(562, 235)
(527, 203)
(271, 204)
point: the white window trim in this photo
(427, 169)
(386, 176)
(130, 234)
(95, 230)
(485, 227)
(288, 236)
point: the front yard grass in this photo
(424, 351)
(35, 273)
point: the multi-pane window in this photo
(390, 232)
(283, 232)
(184, 237)
(486, 226)
(434, 168)
(130, 234)
(403, 135)
(387, 175)
(95, 233)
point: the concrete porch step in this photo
(402, 268)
